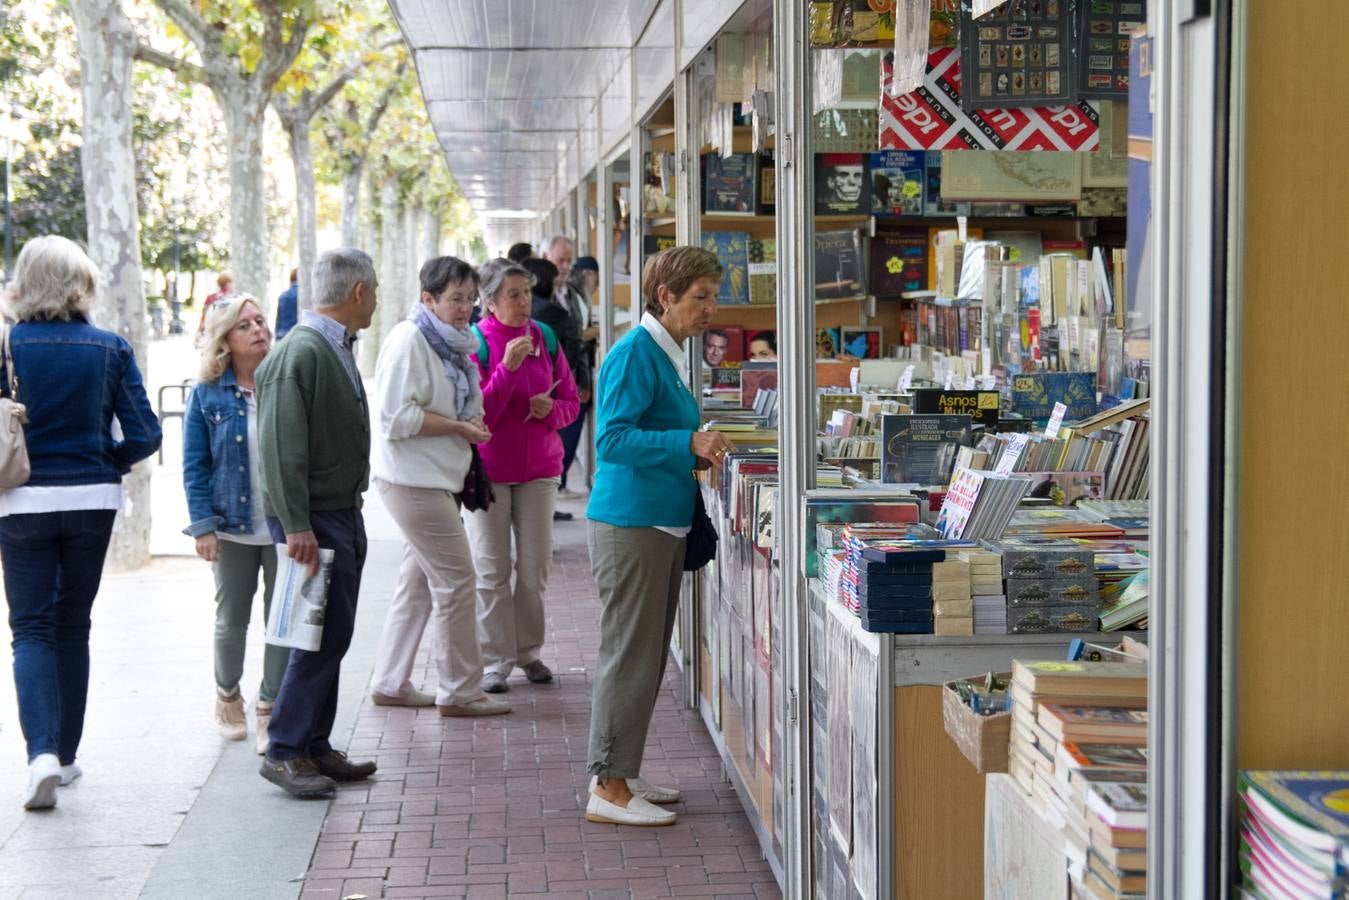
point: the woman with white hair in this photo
(224, 500)
(74, 380)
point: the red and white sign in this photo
(930, 118)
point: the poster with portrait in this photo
(841, 184)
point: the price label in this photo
(1056, 420)
(1007, 462)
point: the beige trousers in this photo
(436, 576)
(510, 618)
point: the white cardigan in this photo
(410, 381)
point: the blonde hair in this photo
(53, 279)
(221, 317)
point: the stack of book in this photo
(1295, 834)
(978, 505)
(1050, 586)
(986, 591)
(1078, 748)
(952, 605)
(893, 586)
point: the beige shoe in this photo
(262, 712)
(483, 706)
(640, 787)
(638, 812)
(229, 715)
(411, 697)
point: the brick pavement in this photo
(493, 807)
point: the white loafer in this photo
(70, 773)
(638, 812)
(44, 774)
(640, 787)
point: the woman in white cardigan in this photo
(430, 413)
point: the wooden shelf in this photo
(754, 219)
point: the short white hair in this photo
(337, 272)
(553, 241)
(53, 279)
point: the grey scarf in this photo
(456, 350)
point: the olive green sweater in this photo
(313, 431)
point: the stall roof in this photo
(509, 83)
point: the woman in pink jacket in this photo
(528, 394)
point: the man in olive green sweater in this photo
(314, 448)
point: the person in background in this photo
(528, 394)
(547, 309)
(520, 252)
(558, 251)
(430, 414)
(224, 502)
(55, 529)
(647, 444)
(314, 446)
(585, 277)
(287, 306)
(225, 286)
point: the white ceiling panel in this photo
(508, 85)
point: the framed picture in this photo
(861, 342)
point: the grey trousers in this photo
(236, 584)
(638, 572)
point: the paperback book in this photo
(921, 449)
(729, 183)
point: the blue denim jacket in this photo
(74, 378)
(215, 458)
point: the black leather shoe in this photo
(298, 777)
(337, 767)
(560, 516)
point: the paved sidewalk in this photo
(492, 807)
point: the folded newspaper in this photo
(298, 602)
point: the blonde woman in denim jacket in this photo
(224, 500)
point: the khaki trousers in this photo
(638, 572)
(510, 617)
(437, 577)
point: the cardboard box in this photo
(981, 739)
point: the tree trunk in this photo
(392, 261)
(306, 203)
(431, 234)
(107, 44)
(248, 196)
(351, 208)
(412, 216)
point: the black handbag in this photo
(477, 493)
(700, 547)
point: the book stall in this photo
(923, 648)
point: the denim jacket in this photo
(215, 458)
(74, 378)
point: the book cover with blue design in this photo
(732, 249)
(1034, 395)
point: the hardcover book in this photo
(732, 249)
(838, 264)
(898, 262)
(861, 342)
(763, 271)
(897, 183)
(1034, 395)
(917, 449)
(933, 204)
(729, 183)
(980, 406)
(754, 379)
(1094, 723)
(841, 184)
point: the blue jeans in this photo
(306, 704)
(571, 439)
(53, 564)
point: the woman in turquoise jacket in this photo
(647, 444)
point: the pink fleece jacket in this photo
(522, 447)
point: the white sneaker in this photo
(70, 773)
(44, 774)
(640, 787)
(483, 706)
(638, 812)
